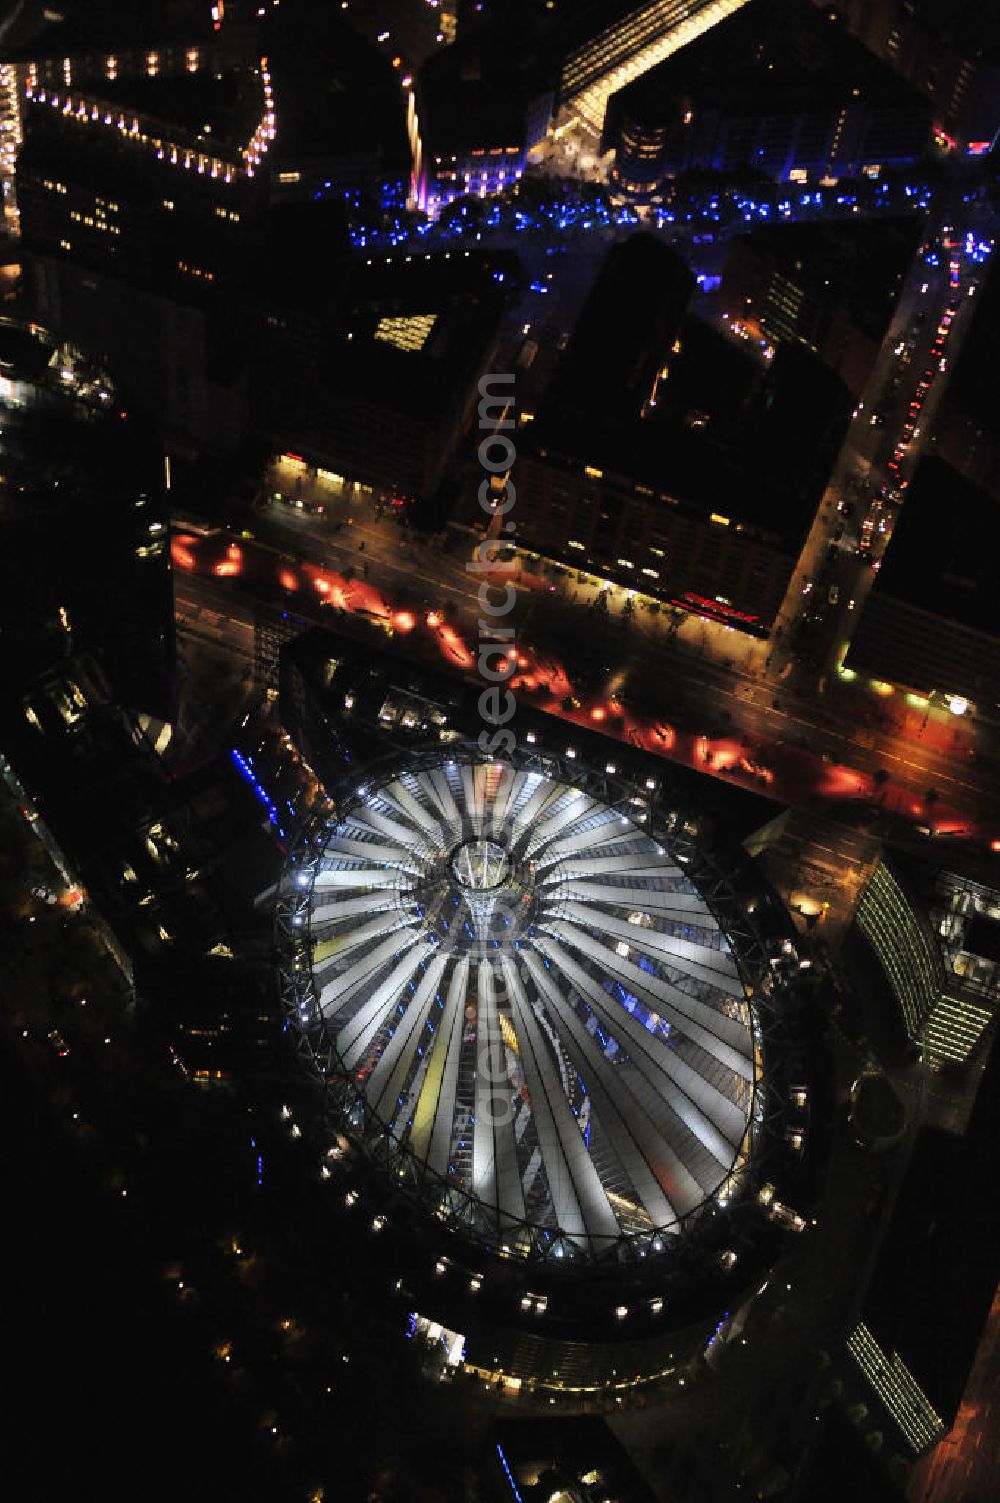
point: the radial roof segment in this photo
(527, 1007)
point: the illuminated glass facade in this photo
(898, 1390)
(530, 1003)
(630, 47)
(939, 1011)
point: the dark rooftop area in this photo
(719, 418)
(944, 549)
(467, 102)
(778, 50)
(974, 385)
(218, 110)
(622, 337)
(335, 94)
(858, 265)
(90, 25)
(940, 1265)
(971, 24)
(983, 937)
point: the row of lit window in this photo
(618, 43)
(494, 151)
(897, 1388)
(954, 1028)
(94, 224)
(195, 271)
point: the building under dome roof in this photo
(559, 1038)
(523, 991)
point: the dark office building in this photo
(473, 122)
(668, 457)
(341, 123)
(598, 46)
(932, 1290)
(140, 189)
(967, 424)
(949, 51)
(778, 89)
(85, 565)
(831, 287)
(381, 386)
(930, 622)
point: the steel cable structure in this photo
(532, 1000)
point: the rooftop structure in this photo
(470, 906)
(967, 424)
(602, 54)
(557, 1038)
(85, 567)
(931, 1292)
(777, 88)
(930, 622)
(397, 360)
(652, 458)
(832, 287)
(936, 940)
(950, 50)
(341, 128)
(473, 124)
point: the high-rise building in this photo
(951, 53)
(778, 89)
(601, 54)
(141, 187)
(930, 621)
(832, 287)
(652, 460)
(85, 567)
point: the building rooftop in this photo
(772, 55)
(944, 548)
(75, 26)
(973, 389)
(932, 1288)
(504, 894)
(859, 266)
(336, 94)
(467, 102)
(219, 111)
(647, 393)
(456, 303)
(972, 25)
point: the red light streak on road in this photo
(953, 826)
(550, 687)
(454, 648)
(232, 564)
(181, 554)
(839, 781)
